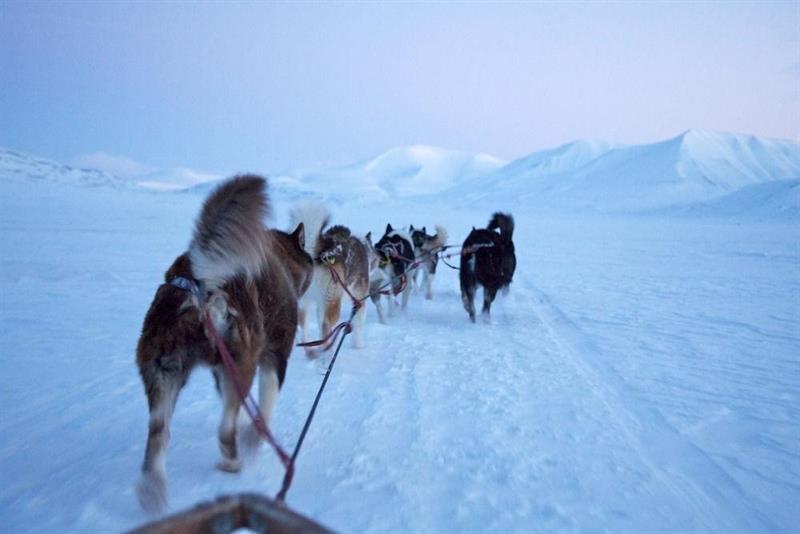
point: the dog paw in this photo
(229, 465)
(152, 492)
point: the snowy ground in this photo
(642, 375)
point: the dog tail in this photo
(505, 222)
(315, 217)
(441, 236)
(229, 237)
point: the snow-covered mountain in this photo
(685, 174)
(399, 172)
(18, 166)
(696, 166)
(175, 179)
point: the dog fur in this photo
(333, 248)
(395, 253)
(491, 266)
(425, 249)
(251, 278)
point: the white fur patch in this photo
(314, 216)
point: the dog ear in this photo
(368, 238)
(389, 228)
(473, 228)
(299, 235)
(423, 230)
(410, 227)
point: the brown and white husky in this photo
(335, 249)
(425, 249)
(249, 279)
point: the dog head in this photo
(418, 236)
(334, 245)
(395, 248)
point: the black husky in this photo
(395, 253)
(487, 259)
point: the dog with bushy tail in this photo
(246, 279)
(488, 260)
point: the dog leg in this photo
(333, 310)
(429, 284)
(488, 297)
(376, 300)
(406, 293)
(231, 402)
(468, 298)
(358, 326)
(162, 380)
(268, 389)
(302, 320)
(321, 309)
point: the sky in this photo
(268, 87)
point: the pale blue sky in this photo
(271, 86)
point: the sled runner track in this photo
(707, 488)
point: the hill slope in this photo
(18, 166)
(693, 167)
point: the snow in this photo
(772, 200)
(174, 179)
(643, 373)
(24, 168)
(399, 172)
(694, 167)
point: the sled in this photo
(228, 513)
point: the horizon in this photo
(181, 176)
(146, 88)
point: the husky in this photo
(247, 278)
(395, 255)
(332, 249)
(425, 249)
(487, 259)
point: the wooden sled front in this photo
(228, 513)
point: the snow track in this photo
(680, 465)
(625, 384)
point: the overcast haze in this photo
(266, 87)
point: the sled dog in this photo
(332, 249)
(395, 254)
(247, 278)
(425, 249)
(488, 260)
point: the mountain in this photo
(691, 171)
(399, 172)
(174, 179)
(694, 167)
(18, 166)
